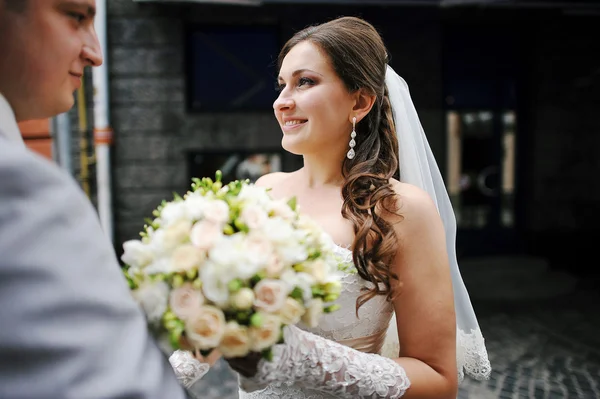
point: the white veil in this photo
(418, 167)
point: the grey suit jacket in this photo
(68, 325)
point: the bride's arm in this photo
(426, 367)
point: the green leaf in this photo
(267, 354)
(293, 202)
(297, 293)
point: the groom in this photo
(68, 325)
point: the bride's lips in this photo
(290, 124)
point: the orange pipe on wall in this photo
(36, 134)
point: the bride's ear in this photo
(363, 103)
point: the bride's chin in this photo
(291, 146)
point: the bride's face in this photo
(314, 107)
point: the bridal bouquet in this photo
(226, 267)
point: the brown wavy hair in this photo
(358, 56)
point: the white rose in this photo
(253, 216)
(235, 341)
(175, 234)
(205, 234)
(185, 301)
(243, 299)
(205, 328)
(172, 212)
(186, 257)
(153, 298)
(136, 254)
(313, 313)
(267, 334)
(216, 211)
(270, 295)
(291, 311)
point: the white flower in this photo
(186, 257)
(158, 265)
(205, 328)
(274, 266)
(292, 252)
(282, 209)
(205, 234)
(317, 269)
(313, 313)
(291, 311)
(231, 254)
(243, 299)
(172, 212)
(303, 281)
(278, 230)
(195, 206)
(270, 295)
(185, 301)
(216, 211)
(254, 195)
(235, 341)
(153, 298)
(136, 254)
(267, 334)
(253, 216)
(215, 280)
(258, 248)
(175, 234)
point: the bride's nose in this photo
(283, 103)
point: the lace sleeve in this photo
(187, 368)
(317, 363)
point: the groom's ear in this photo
(363, 103)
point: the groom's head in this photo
(45, 46)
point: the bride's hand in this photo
(210, 359)
(247, 366)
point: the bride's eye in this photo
(279, 87)
(305, 81)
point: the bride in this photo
(406, 327)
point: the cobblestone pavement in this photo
(538, 350)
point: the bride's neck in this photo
(321, 171)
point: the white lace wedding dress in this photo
(365, 333)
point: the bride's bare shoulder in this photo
(272, 180)
(412, 200)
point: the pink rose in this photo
(205, 234)
(270, 295)
(185, 301)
